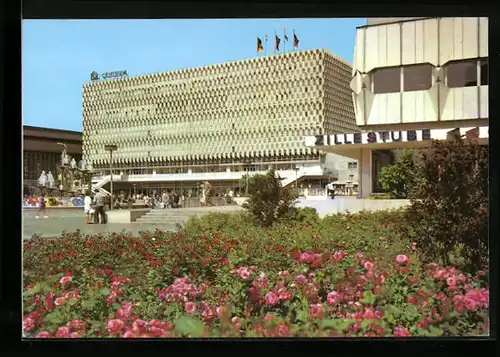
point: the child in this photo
(41, 206)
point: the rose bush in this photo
(344, 275)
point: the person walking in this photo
(99, 203)
(41, 206)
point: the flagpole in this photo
(293, 44)
(265, 45)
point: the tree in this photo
(449, 204)
(268, 200)
(399, 179)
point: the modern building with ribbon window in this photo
(178, 128)
(414, 80)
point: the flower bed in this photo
(286, 281)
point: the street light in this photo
(296, 173)
(111, 148)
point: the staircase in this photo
(173, 216)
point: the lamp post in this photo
(296, 174)
(111, 148)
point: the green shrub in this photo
(399, 179)
(268, 200)
(449, 206)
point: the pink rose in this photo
(128, 334)
(208, 313)
(402, 258)
(75, 335)
(284, 294)
(414, 246)
(44, 334)
(59, 301)
(111, 297)
(333, 298)
(63, 332)
(236, 322)
(271, 298)
(65, 279)
(368, 265)
(127, 309)
(190, 307)
(244, 274)
(75, 324)
(369, 313)
(300, 279)
(451, 282)
(316, 310)
(338, 255)
(28, 324)
(401, 331)
(115, 326)
(253, 267)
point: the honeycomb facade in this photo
(254, 110)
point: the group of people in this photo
(94, 208)
(168, 199)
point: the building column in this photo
(365, 173)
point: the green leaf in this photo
(252, 333)
(104, 291)
(53, 317)
(72, 301)
(35, 290)
(302, 316)
(189, 325)
(337, 324)
(368, 298)
(435, 332)
(88, 304)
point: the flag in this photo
(453, 134)
(295, 40)
(260, 48)
(265, 37)
(285, 36)
(472, 134)
(277, 45)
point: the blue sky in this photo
(58, 55)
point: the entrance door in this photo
(380, 159)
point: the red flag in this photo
(472, 134)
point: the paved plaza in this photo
(72, 220)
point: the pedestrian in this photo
(99, 202)
(41, 206)
(87, 202)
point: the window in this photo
(461, 74)
(352, 165)
(484, 72)
(418, 77)
(387, 80)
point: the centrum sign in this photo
(116, 74)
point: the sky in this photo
(59, 55)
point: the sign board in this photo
(117, 74)
(94, 76)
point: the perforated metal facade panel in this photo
(256, 109)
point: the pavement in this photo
(72, 220)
